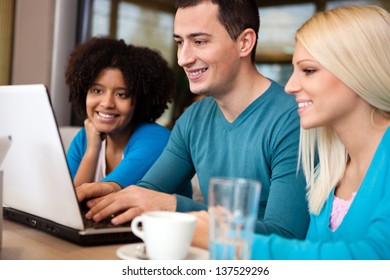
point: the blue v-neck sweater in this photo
(261, 143)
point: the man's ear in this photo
(247, 41)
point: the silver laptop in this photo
(38, 189)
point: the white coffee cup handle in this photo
(134, 227)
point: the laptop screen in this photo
(36, 175)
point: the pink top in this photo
(339, 210)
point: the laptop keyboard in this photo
(106, 223)
(102, 224)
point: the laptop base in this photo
(67, 233)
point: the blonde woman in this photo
(341, 82)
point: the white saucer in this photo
(127, 252)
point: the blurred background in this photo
(37, 36)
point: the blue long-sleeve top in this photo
(142, 150)
(364, 232)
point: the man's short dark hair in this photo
(235, 16)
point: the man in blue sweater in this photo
(247, 126)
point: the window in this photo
(277, 31)
(137, 25)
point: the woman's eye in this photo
(122, 95)
(96, 90)
(308, 71)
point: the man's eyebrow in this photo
(192, 35)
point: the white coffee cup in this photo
(167, 235)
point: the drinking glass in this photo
(233, 207)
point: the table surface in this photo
(21, 242)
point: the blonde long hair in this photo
(352, 42)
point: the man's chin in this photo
(198, 91)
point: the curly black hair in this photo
(149, 79)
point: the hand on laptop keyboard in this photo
(89, 223)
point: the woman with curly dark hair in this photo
(120, 90)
